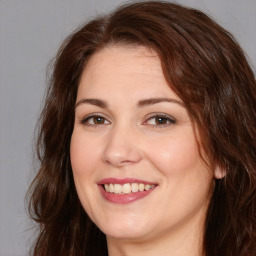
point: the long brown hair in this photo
(207, 69)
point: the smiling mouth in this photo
(127, 188)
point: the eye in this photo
(94, 120)
(160, 120)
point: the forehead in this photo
(124, 69)
(143, 57)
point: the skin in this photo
(129, 141)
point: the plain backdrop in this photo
(30, 33)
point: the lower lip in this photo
(124, 198)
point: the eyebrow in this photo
(141, 103)
(95, 102)
(152, 101)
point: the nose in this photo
(122, 147)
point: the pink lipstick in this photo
(127, 190)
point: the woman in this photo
(147, 139)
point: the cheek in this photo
(186, 179)
(175, 154)
(84, 159)
(84, 154)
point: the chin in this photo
(125, 229)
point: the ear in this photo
(219, 173)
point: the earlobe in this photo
(219, 173)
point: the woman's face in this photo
(134, 154)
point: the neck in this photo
(183, 240)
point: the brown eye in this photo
(94, 120)
(98, 120)
(161, 120)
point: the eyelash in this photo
(170, 120)
(166, 118)
(85, 121)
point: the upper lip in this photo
(123, 181)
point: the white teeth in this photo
(111, 188)
(117, 188)
(148, 187)
(127, 188)
(135, 187)
(141, 187)
(106, 186)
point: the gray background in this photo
(30, 34)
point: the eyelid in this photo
(84, 119)
(169, 118)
